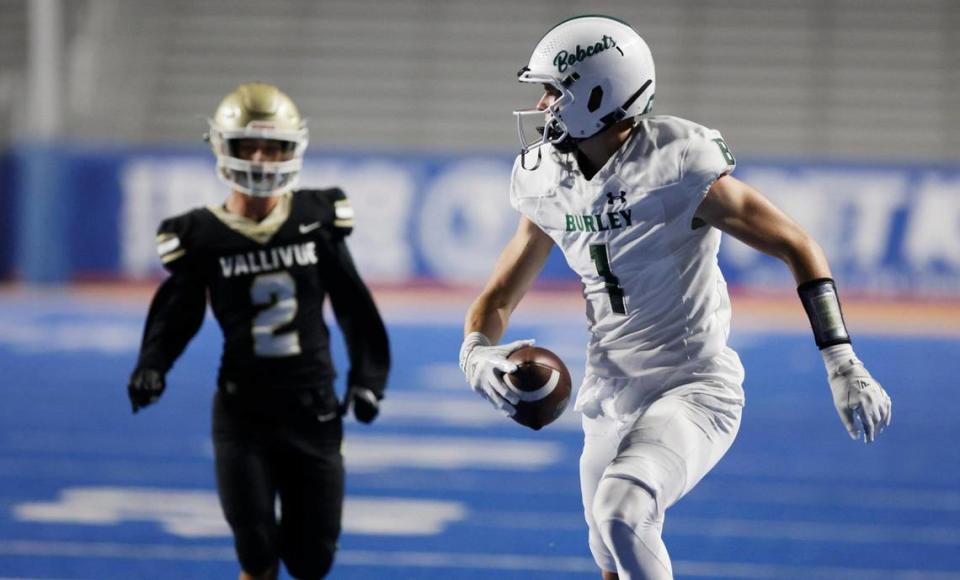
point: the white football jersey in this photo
(656, 300)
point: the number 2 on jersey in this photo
(598, 253)
(278, 292)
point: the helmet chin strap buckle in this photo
(523, 158)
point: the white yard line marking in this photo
(197, 514)
(373, 453)
(363, 453)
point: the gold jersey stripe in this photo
(172, 256)
(260, 232)
(343, 223)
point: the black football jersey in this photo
(267, 282)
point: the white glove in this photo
(484, 366)
(860, 400)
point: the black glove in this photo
(145, 388)
(365, 403)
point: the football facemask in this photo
(536, 127)
(258, 111)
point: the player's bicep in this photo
(741, 211)
(518, 266)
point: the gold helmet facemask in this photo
(258, 111)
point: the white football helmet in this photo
(258, 111)
(603, 72)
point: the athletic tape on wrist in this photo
(820, 300)
(471, 341)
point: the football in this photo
(544, 382)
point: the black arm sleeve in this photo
(358, 317)
(822, 304)
(175, 316)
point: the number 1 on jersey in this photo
(598, 253)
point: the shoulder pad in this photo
(527, 182)
(707, 156)
(665, 130)
(334, 208)
(173, 239)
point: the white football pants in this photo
(630, 474)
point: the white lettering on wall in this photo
(932, 238)
(153, 189)
(382, 195)
(465, 219)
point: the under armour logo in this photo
(622, 196)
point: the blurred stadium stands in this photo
(825, 78)
(843, 111)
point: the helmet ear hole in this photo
(596, 97)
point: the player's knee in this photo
(256, 547)
(310, 564)
(601, 554)
(623, 505)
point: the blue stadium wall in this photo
(8, 215)
(70, 213)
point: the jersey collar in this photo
(259, 231)
(612, 166)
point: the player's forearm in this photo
(488, 315)
(369, 366)
(517, 267)
(805, 258)
(367, 344)
(485, 320)
(175, 316)
(818, 293)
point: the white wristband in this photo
(837, 356)
(471, 341)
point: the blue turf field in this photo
(443, 486)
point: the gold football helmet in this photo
(258, 111)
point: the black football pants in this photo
(277, 444)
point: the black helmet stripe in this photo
(621, 111)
